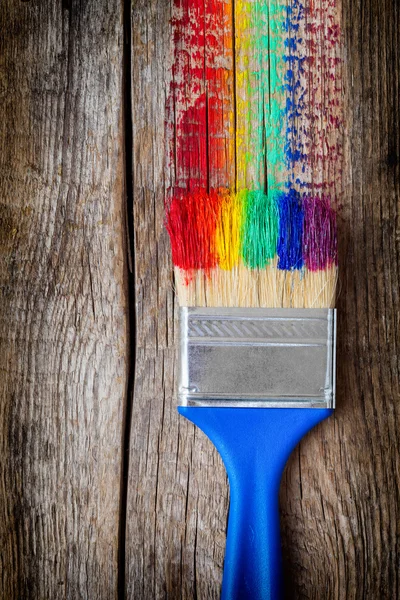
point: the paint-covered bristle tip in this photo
(290, 236)
(320, 234)
(263, 250)
(191, 221)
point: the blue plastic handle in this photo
(254, 444)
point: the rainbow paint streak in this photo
(254, 134)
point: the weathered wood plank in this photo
(63, 325)
(177, 497)
(340, 497)
(340, 491)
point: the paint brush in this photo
(256, 379)
(254, 249)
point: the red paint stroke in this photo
(202, 96)
(189, 95)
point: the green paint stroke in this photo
(268, 21)
(260, 228)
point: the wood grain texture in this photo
(63, 325)
(64, 337)
(340, 490)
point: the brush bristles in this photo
(254, 250)
(264, 288)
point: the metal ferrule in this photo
(257, 357)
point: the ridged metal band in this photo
(257, 357)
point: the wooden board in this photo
(339, 495)
(63, 324)
(65, 349)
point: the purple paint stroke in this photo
(319, 233)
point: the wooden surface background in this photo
(104, 491)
